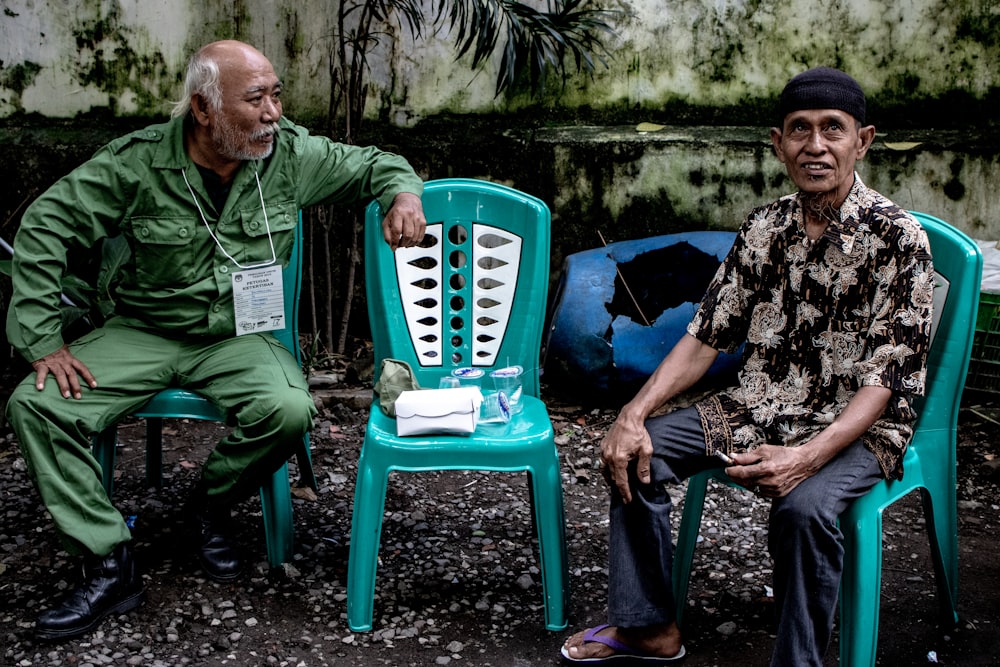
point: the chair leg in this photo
(687, 537)
(154, 452)
(860, 589)
(276, 506)
(366, 529)
(104, 446)
(942, 530)
(303, 458)
(546, 491)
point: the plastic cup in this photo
(495, 408)
(508, 381)
(469, 377)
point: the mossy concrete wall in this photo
(78, 72)
(630, 184)
(614, 180)
(670, 59)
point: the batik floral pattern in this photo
(818, 319)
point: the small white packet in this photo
(453, 411)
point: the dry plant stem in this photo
(635, 303)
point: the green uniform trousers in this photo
(254, 379)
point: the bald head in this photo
(205, 71)
(230, 52)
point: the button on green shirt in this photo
(178, 279)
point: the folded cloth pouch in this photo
(453, 411)
(395, 376)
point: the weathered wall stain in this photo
(15, 79)
(121, 61)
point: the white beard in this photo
(232, 144)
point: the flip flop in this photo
(623, 653)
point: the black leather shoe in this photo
(218, 555)
(111, 585)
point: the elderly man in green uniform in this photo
(201, 199)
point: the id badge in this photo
(258, 300)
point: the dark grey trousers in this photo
(804, 540)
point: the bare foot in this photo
(654, 640)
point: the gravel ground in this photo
(458, 582)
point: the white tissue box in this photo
(452, 411)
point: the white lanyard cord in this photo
(215, 238)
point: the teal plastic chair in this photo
(929, 463)
(472, 295)
(175, 403)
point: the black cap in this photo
(822, 88)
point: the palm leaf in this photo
(533, 41)
(411, 13)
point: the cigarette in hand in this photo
(725, 457)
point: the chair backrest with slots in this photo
(473, 294)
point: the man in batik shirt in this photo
(830, 291)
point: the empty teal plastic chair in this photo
(929, 463)
(472, 295)
(175, 403)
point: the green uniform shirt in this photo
(178, 280)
